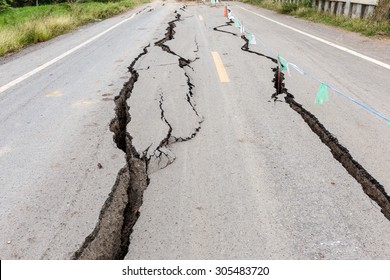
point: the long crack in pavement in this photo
(371, 187)
(110, 239)
(182, 62)
(228, 23)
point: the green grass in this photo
(21, 27)
(364, 26)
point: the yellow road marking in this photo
(223, 76)
(200, 17)
(5, 150)
(53, 94)
(83, 103)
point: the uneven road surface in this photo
(154, 135)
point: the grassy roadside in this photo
(21, 27)
(303, 10)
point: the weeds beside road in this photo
(21, 27)
(303, 10)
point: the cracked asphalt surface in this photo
(132, 147)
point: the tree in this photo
(4, 4)
(22, 3)
(382, 11)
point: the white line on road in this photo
(200, 17)
(51, 62)
(380, 63)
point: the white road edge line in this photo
(51, 62)
(380, 63)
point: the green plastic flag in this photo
(212, 2)
(249, 36)
(242, 28)
(236, 23)
(282, 63)
(322, 94)
(253, 40)
(388, 124)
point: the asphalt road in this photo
(230, 173)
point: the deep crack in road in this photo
(122, 164)
(111, 237)
(370, 185)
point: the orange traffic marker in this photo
(225, 14)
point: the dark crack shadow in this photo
(228, 23)
(110, 238)
(182, 63)
(245, 48)
(371, 187)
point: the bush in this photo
(4, 5)
(382, 11)
(378, 24)
(306, 3)
(288, 8)
(20, 27)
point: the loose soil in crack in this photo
(111, 237)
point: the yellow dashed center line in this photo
(223, 76)
(53, 94)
